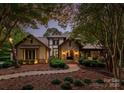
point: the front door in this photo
(70, 55)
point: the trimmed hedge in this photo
(100, 81)
(92, 63)
(57, 63)
(56, 82)
(81, 60)
(69, 79)
(78, 82)
(27, 87)
(66, 85)
(87, 81)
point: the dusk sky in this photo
(51, 24)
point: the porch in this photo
(33, 61)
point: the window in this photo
(29, 53)
(55, 52)
(55, 42)
(64, 39)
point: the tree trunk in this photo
(114, 67)
(15, 63)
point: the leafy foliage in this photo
(92, 63)
(102, 23)
(69, 79)
(6, 64)
(56, 81)
(27, 87)
(87, 81)
(66, 85)
(5, 52)
(28, 15)
(57, 63)
(100, 81)
(78, 82)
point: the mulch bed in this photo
(24, 68)
(43, 82)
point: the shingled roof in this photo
(92, 46)
(44, 40)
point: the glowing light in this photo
(36, 61)
(10, 40)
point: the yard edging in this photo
(72, 68)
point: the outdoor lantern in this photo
(10, 40)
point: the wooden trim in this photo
(29, 37)
(46, 56)
(24, 54)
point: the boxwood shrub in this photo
(87, 81)
(56, 81)
(81, 60)
(69, 79)
(93, 63)
(100, 81)
(78, 82)
(27, 87)
(66, 86)
(57, 63)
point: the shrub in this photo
(56, 82)
(69, 79)
(87, 81)
(51, 58)
(122, 82)
(66, 67)
(78, 83)
(99, 81)
(66, 85)
(27, 87)
(93, 63)
(20, 62)
(101, 65)
(6, 65)
(57, 63)
(81, 61)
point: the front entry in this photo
(30, 55)
(70, 55)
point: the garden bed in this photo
(43, 82)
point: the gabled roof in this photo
(67, 41)
(39, 39)
(92, 46)
(56, 36)
(43, 40)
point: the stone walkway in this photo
(72, 68)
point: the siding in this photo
(42, 51)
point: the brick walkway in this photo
(72, 68)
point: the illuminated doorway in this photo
(70, 55)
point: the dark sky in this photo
(71, 10)
(51, 24)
